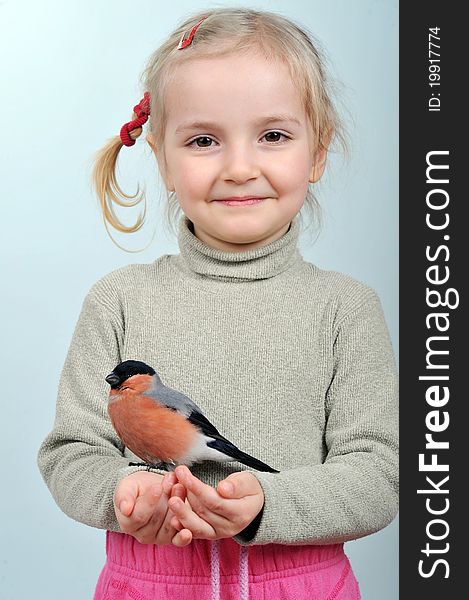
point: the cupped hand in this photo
(214, 513)
(141, 507)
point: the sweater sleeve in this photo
(81, 459)
(354, 492)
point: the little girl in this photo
(291, 362)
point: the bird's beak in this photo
(112, 379)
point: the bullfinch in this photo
(162, 426)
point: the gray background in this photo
(69, 77)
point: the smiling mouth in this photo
(240, 201)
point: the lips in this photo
(241, 200)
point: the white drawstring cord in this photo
(243, 574)
(215, 571)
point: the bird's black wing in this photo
(223, 445)
(200, 421)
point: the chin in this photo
(248, 234)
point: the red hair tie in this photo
(142, 110)
(184, 43)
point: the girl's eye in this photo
(204, 141)
(276, 135)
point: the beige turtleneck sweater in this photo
(290, 362)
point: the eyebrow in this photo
(284, 118)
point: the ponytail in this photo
(104, 171)
(108, 189)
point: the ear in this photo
(151, 143)
(166, 177)
(319, 164)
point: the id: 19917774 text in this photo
(434, 68)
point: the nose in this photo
(241, 163)
(112, 379)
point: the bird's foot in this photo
(161, 465)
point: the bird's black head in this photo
(126, 369)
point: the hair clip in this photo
(142, 110)
(187, 42)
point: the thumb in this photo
(238, 485)
(125, 496)
(126, 506)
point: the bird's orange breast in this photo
(151, 431)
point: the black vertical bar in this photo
(434, 267)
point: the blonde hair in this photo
(225, 31)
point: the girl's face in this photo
(236, 128)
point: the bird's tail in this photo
(226, 447)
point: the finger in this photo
(155, 506)
(176, 524)
(190, 520)
(239, 485)
(126, 506)
(140, 516)
(168, 481)
(226, 525)
(178, 490)
(157, 529)
(206, 510)
(222, 521)
(206, 499)
(182, 538)
(162, 527)
(187, 479)
(165, 529)
(125, 496)
(146, 505)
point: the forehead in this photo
(234, 87)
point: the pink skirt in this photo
(224, 570)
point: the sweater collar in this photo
(256, 263)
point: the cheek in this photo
(293, 174)
(190, 177)
(294, 165)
